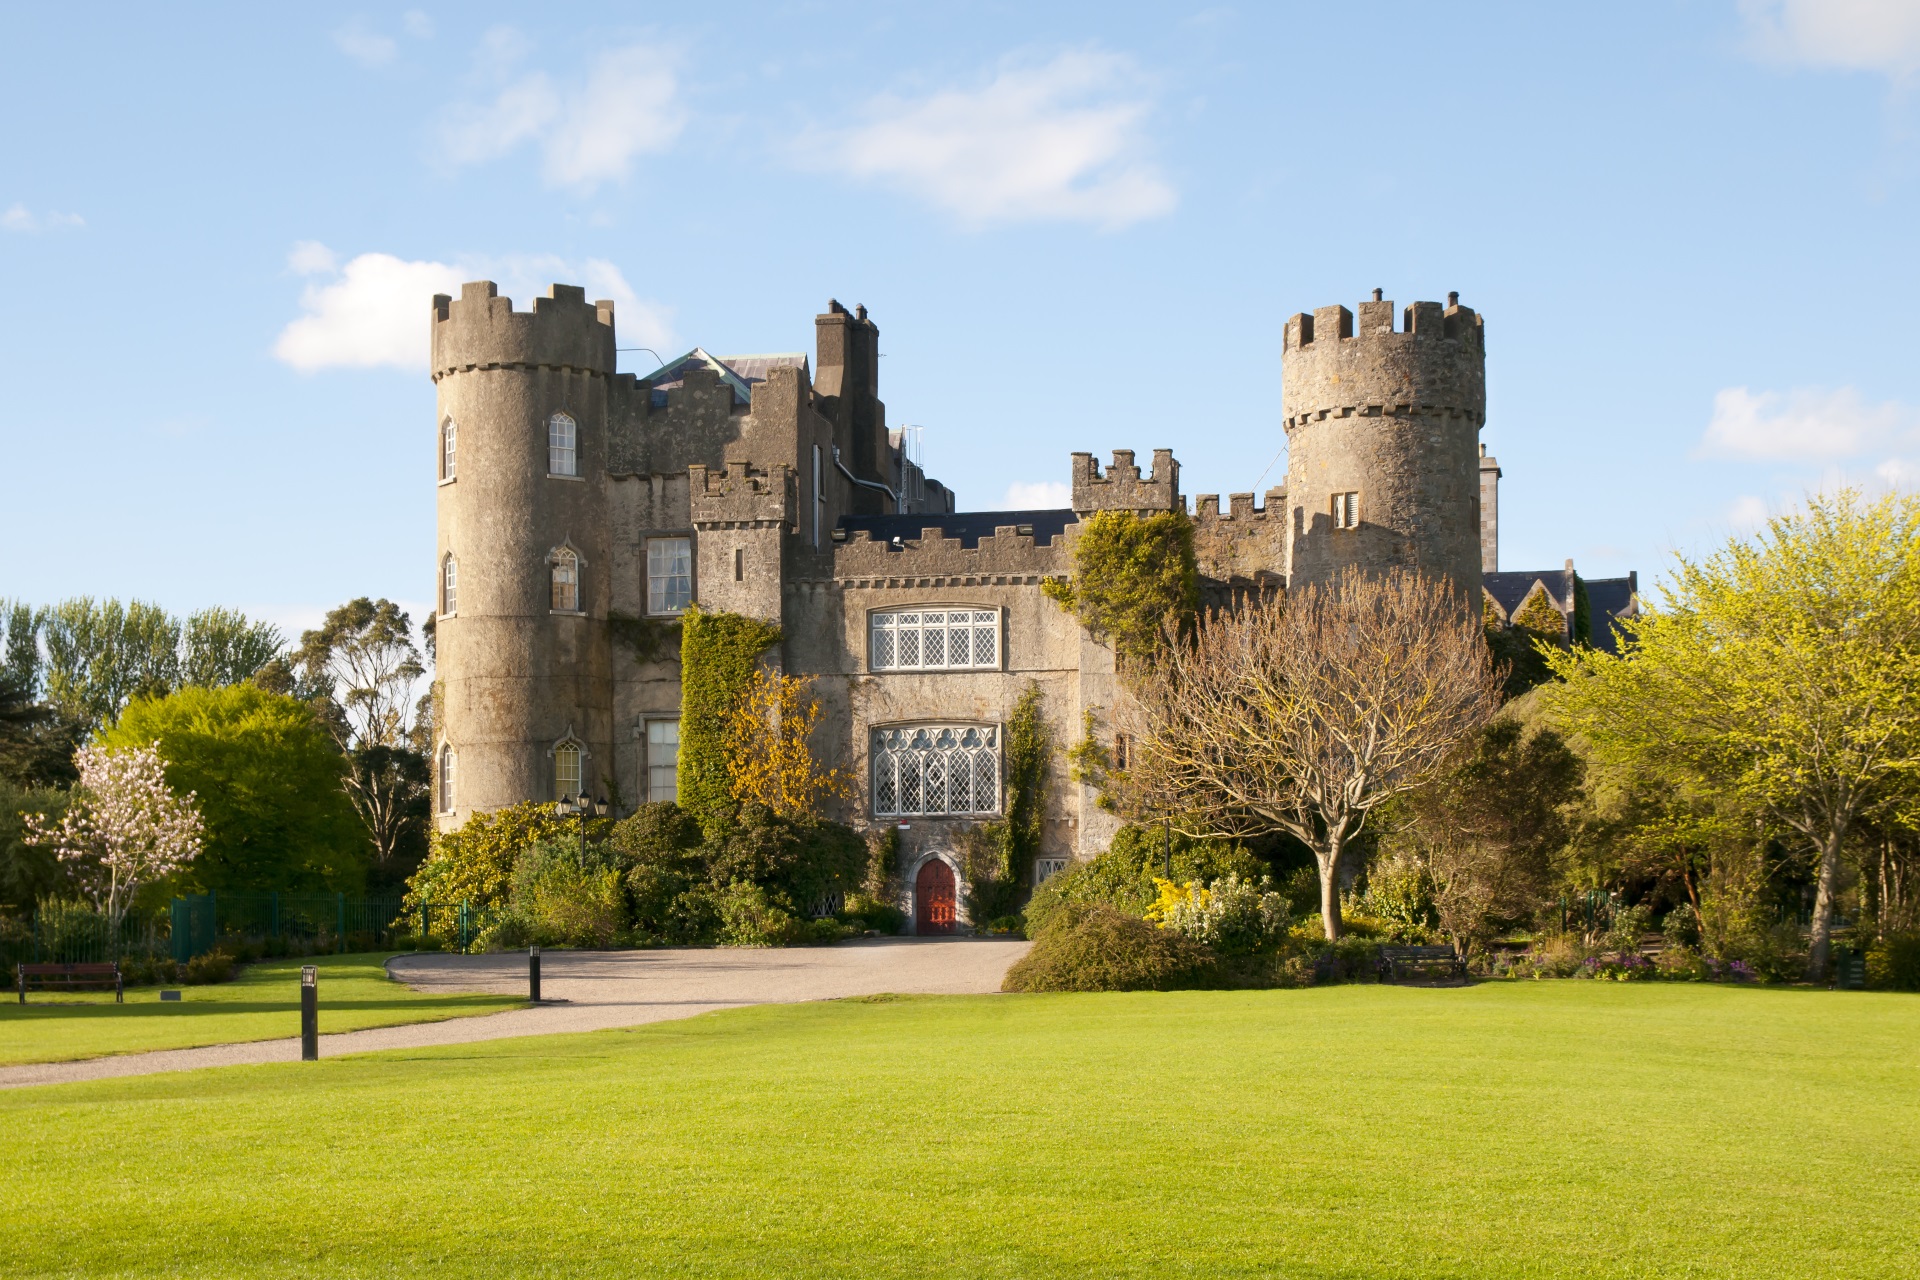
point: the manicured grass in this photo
(1506, 1130)
(263, 1003)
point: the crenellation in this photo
(1122, 489)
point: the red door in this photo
(933, 898)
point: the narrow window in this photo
(561, 455)
(669, 575)
(566, 771)
(817, 499)
(449, 584)
(1120, 751)
(448, 438)
(1346, 510)
(663, 760)
(566, 582)
(446, 777)
(739, 564)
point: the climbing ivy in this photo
(1582, 612)
(1539, 617)
(1131, 574)
(645, 638)
(719, 654)
(997, 857)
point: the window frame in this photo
(449, 451)
(1346, 509)
(693, 585)
(885, 777)
(998, 624)
(562, 748)
(448, 776)
(572, 446)
(449, 586)
(647, 765)
(565, 558)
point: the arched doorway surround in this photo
(935, 897)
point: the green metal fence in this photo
(311, 921)
(72, 933)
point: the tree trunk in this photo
(1329, 860)
(1820, 936)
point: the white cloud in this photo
(627, 107)
(1063, 141)
(418, 24)
(365, 45)
(1858, 35)
(1747, 513)
(1805, 424)
(20, 218)
(1038, 495)
(372, 311)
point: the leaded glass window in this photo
(936, 769)
(566, 771)
(566, 582)
(935, 639)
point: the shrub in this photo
(866, 913)
(1893, 963)
(1096, 947)
(752, 917)
(210, 966)
(1125, 876)
(1233, 916)
(565, 899)
(475, 864)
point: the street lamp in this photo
(569, 806)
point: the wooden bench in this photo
(1396, 962)
(71, 977)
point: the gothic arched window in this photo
(566, 771)
(562, 439)
(565, 572)
(449, 435)
(449, 586)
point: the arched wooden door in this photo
(933, 898)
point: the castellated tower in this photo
(1383, 425)
(523, 653)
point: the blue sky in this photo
(1690, 226)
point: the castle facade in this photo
(581, 509)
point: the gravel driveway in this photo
(598, 990)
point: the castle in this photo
(576, 502)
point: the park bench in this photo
(1396, 962)
(71, 977)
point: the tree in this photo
(101, 656)
(223, 647)
(363, 656)
(268, 780)
(125, 829)
(1783, 673)
(770, 758)
(1487, 831)
(1132, 576)
(1303, 715)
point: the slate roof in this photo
(1610, 597)
(738, 372)
(1607, 597)
(968, 526)
(1509, 589)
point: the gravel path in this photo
(598, 990)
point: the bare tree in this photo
(365, 657)
(1303, 714)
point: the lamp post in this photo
(569, 806)
(309, 1013)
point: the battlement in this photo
(1339, 365)
(1206, 506)
(738, 496)
(933, 559)
(1122, 489)
(481, 330)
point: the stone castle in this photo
(580, 506)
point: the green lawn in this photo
(1538, 1129)
(263, 1003)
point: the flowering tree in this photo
(126, 827)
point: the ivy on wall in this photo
(1582, 612)
(1132, 574)
(645, 638)
(1539, 617)
(997, 857)
(719, 654)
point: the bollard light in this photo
(533, 974)
(309, 1013)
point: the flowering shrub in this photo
(1618, 966)
(1233, 916)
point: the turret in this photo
(522, 566)
(1382, 425)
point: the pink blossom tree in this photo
(125, 829)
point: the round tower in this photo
(1383, 425)
(522, 579)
